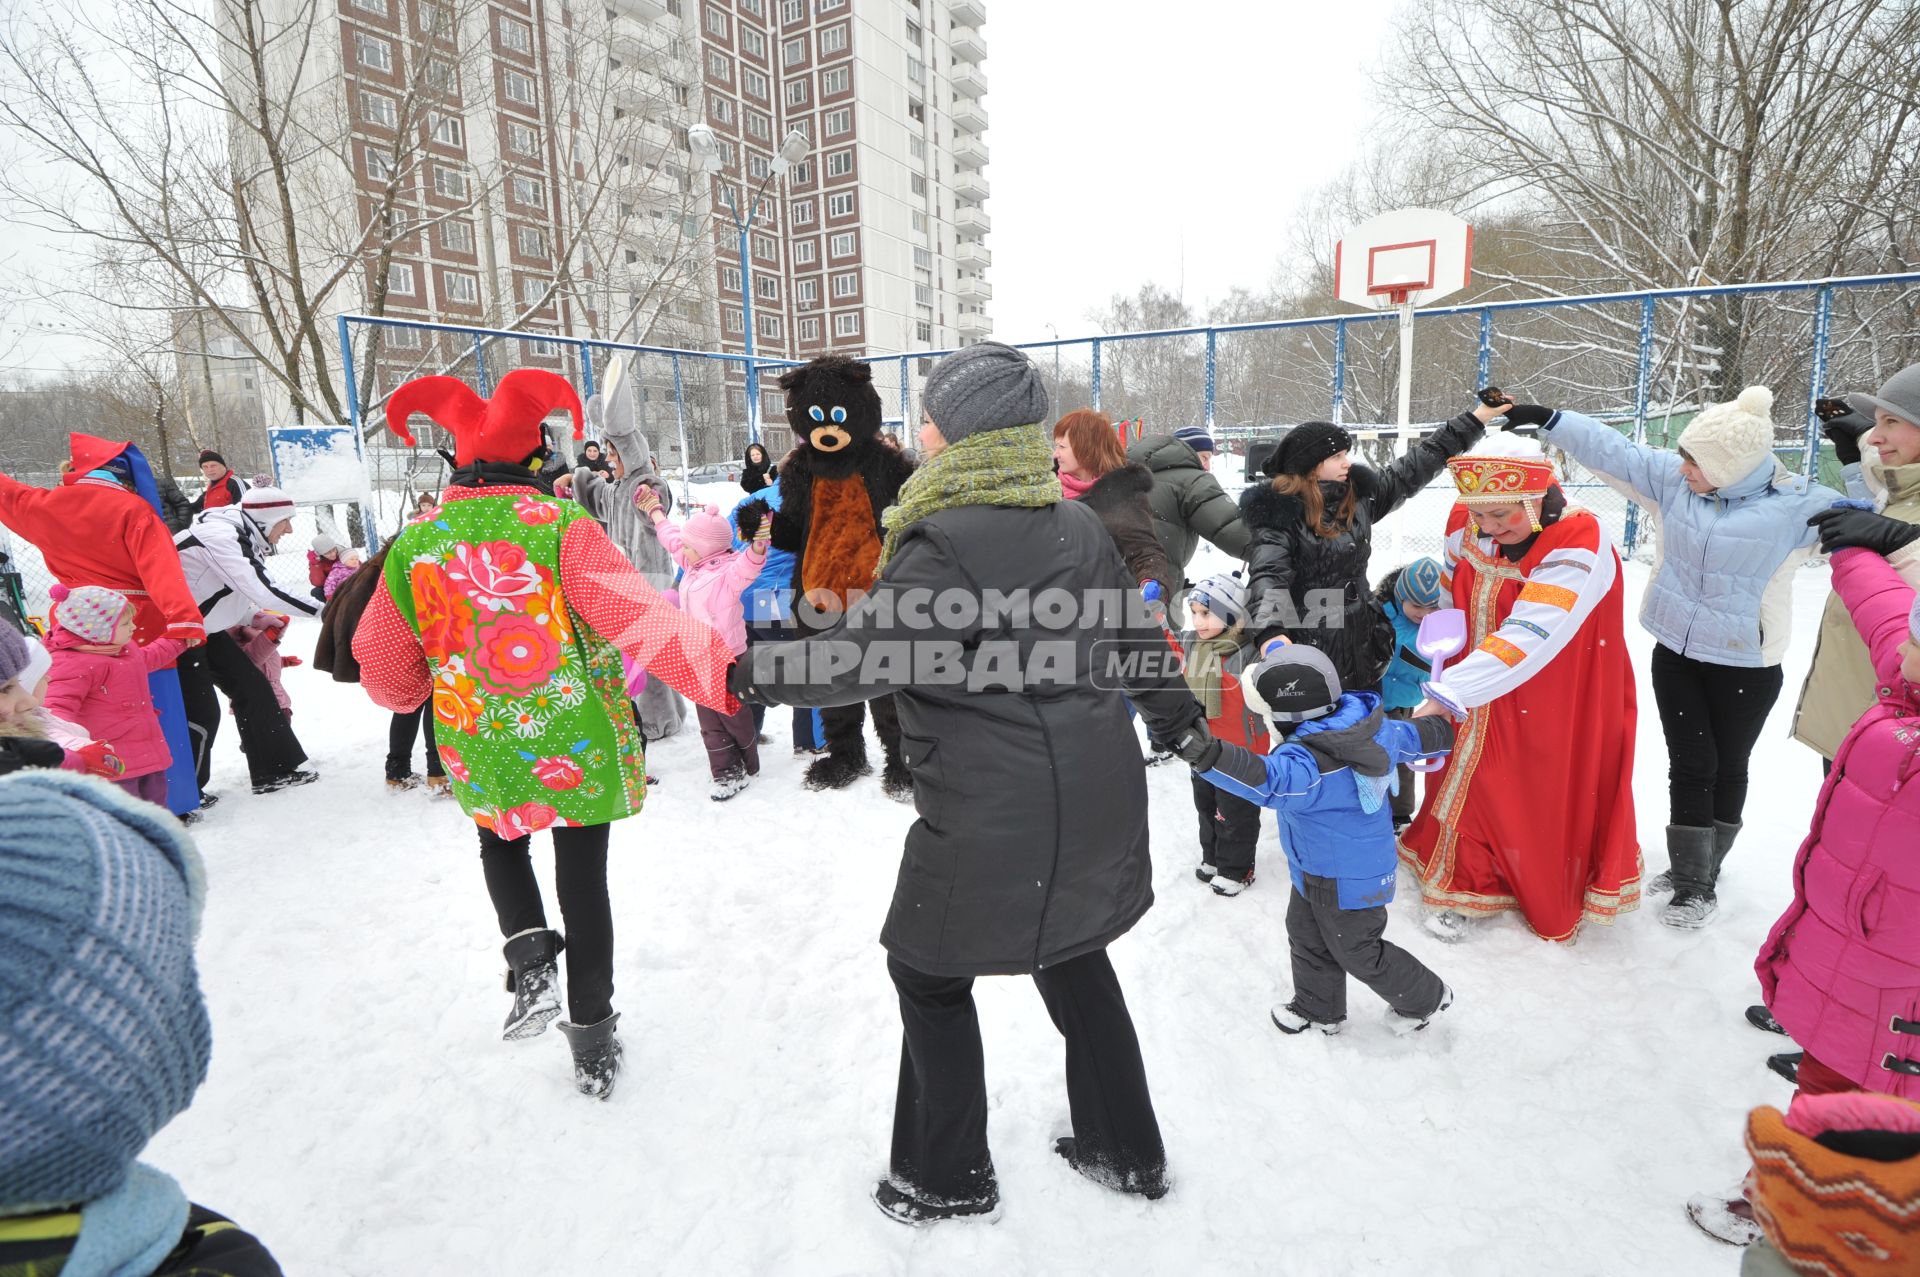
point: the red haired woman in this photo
(1093, 468)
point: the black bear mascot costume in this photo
(833, 487)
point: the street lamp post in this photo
(706, 154)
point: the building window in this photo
(518, 88)
(460, 287)
(914, 34)
(399, 280)
(522, 139)
(833, 40)
(758, 125)
(840, 205)
(806, 291)
(840, 163)
(371, 6)
(920, 220)
(847, 325)
(916, 70)
(828, 6)
(542, 349)
(450, 182)
(440, 76)
(754, 84)
(735, 324)
(793, 52)
(530, 191)
(802, 213)
(923, 294)
(834, 81)
(763, 248)
(923, 258)
(923, 331)
(372, 52)
(801, 173)
(717, 24)
(515, 34)
(752, 43)
(456, 237)
(436, 19)
(730, 279)
(797, 93)
(804, 252)
(378, 108)
(449, 131)
(758, 166)
(379, 164)
(917, 110)
(791, 11)
(755, 7)
(809, 330)
(770, 326)
(846, 285)
(402, 338)
(718, 67)
(917, 147)
(838, 122)
(721, 109)
(919, 183)
(768, 287)
(532, 241)
(840, 245)
(533, 291)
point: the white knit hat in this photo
(267, 506)
(1728, 441)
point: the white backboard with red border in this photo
(1411, 255)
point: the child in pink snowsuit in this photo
(99, 682)
(260, 640)
(715, 576)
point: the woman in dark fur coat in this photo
(1312, 531)
(1093, 468)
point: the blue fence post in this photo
(905, 401)
(1486, 347)
(680, 413)
(1642, 395)
(586, 369)
(1096, 374)
(1817, 382)
(369, 525)
(1339, 370)
(480, 367)
(1213, 356)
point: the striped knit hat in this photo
(1419, 584)
(1224, 595)
(1836, 1183)
(103, 1031)
(91, 612)
(267, 506)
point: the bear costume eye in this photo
(816, 414)
(839, 416)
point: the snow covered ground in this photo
(364, 1118)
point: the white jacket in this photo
(223, 552)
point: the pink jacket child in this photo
(260, 640)
(1841, 969)
(99, 682)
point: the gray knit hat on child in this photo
(103, 1032)
(988, 386)
(13, 653)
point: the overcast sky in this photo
(1160, 139)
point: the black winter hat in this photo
(1306, 446)
(208, 454)
(1294, 683)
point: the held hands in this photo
(1274, 643)
(1155, 595)
(646, 501)
(1195, 746)
(1844, 528)
(563, 486)
(1495, 402)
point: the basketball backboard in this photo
(1411, 255)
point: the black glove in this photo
(740, 683)
(1530, 415)
(1195, 746)
(1844, 529)
(1844, 434)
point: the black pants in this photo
(580, 880)
(401, 734)
(1329, 944)
(940, 1111)
(1712, 716)
(266, 738)
(1229, 827)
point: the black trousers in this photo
(266, 738)
(401, 734)
(1329, 943)
(940, 1111)
(580, 880)
(1712, 716)
(1229, 827)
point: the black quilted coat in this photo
(1288, 561)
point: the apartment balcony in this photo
(970, 184)
(644, 48)
(973, 324)
(972, 255)
(967, 13)
(967, 45)
(969, 116)
(969, 82)
(644, 10)
(974, 289)
(972, 220)
(969, 151)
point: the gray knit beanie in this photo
(989, 386)
(13, 653)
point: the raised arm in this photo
(161, 576)
(1276, 780)
(1406, 476)
(1653, 473)
(1879, 602)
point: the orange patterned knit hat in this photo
(1839, 1208)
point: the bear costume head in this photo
(834, 412)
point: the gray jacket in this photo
(610, 500)
(1031, 846)
(1188, 503)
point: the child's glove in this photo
(1155, 595)
(753, 520)
(646, 501)
(96, 758)
(288, 662)
(1195, 746)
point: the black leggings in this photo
(401, 734)
(266, 738)
(580, 880)
(1712, 716)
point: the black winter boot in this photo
(842, 766)
(533, 978)
(1148, 1182)
(1723, 836)
(596, 1055)
(1690, 850)
(895, 780)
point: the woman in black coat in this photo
(1093, 468)
(1029, 856)
(1312, 533)
(756, 472)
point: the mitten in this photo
(1842, 528)
(646, 500)
(96, 758)
(1527, 415)
(288, 662)
(753, 519)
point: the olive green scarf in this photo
(1011, 467)
(1205, 665)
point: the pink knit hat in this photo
(91, 612)
(707, 534)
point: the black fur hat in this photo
(1306, 446)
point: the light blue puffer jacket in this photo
(1722, 588)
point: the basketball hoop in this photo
(1404, 259)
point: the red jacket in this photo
(95, 532)
(106, 695)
